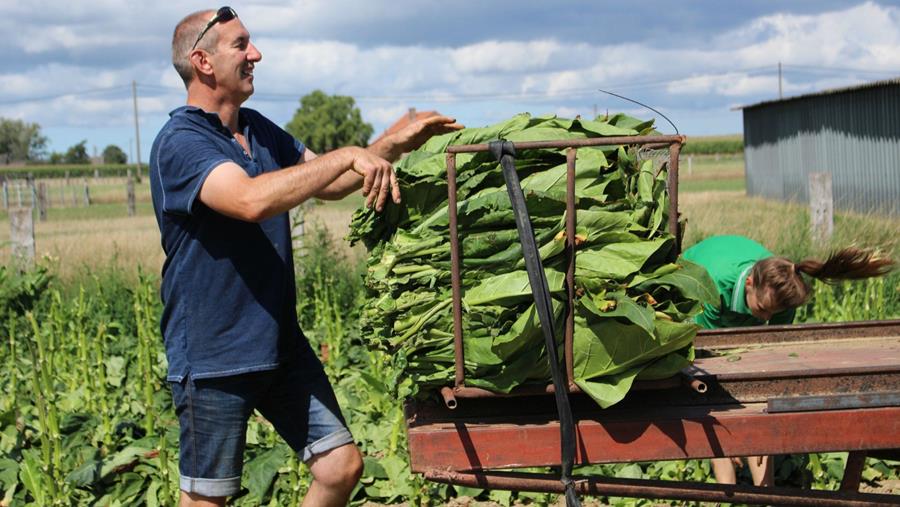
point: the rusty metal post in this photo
(455, 271)
(856, 461)
(570, 272)
(672, 186)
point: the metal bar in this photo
(856, 461)
(642, 434)
(743, 336)
(833, 402)
(539, 389)
(573, 143)
(672, 185)
(455, 272)
(658, 489)
(570, 271)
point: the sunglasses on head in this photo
(223, 15)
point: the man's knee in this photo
(341, 467)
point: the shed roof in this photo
(829, 91)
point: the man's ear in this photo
(749, 283)
(199, 59)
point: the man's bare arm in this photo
(230, 191)
(390, 148)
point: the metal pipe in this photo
(694, 383)
(449, 397)
(460, 373)
(658, 489)
(672, 185)
(570, 143)
(568, 346)
(856, 461)
(742, 336)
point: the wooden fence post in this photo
(21, 222)
(298, 228)
(42, 201)
(5, 193)
(821, 207)
(87, 192)
(129, 185)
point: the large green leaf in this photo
(510, 288)
(260, 472)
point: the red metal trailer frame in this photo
(793, 389)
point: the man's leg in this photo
(335, 474)
(302, 407)
(723, 469)
(195, 500)
(762, 468)
(212, 416)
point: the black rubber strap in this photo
(505, 153)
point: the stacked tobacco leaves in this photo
(633, 306)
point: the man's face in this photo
(234, 59)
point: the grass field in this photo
(84, 366)
(712, 202)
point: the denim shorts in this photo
(212, 413)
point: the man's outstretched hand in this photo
(416, 133)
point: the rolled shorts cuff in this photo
(210, 487)
(327, 443)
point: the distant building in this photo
(405, 120)
(852, 132)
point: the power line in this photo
(61, 95)
(439, 97)
(832, 70)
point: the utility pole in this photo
(137, 130)
(780, 95)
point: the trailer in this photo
(751, 391)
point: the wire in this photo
(832, 70)
(61, 95)
(644, 105)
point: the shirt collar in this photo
(198, 115)
(739, 296)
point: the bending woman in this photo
(757, 288)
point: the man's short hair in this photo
(186, 32)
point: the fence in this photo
(48, 193)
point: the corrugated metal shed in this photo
(853, 133)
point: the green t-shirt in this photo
(728, 260)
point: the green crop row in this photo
(712, 145)
(86, 417)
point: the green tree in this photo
(20, 141)
(77, 154)
(325, 122)
(112, 154)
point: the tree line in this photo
(322, 122)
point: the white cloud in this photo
(478, 79)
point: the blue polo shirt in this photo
(228, 285)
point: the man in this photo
(222, 179)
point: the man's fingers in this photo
(385, 187)
(395, 187)
(374, 193)
(368, 180)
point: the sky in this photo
(71, 65)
